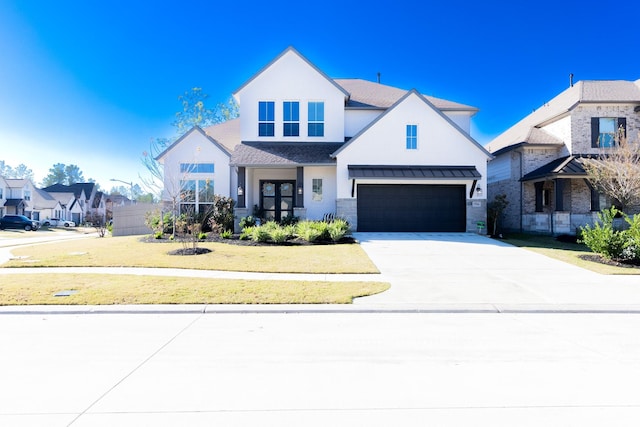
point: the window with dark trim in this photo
(291, 118)
(607, 131)
(316, 119)
(266, 118)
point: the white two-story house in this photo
(308, 145)
(538, 161)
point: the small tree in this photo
(495, 209)
(616, 171)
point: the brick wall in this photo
(581, 124)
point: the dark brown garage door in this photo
(403, 208)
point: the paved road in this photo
(310, 369)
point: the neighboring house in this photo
(79, 200)
(113, 201)
(539, 161)
(305, 144)
(4, 189)
(19, 197)
(44, 206)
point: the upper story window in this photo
(606, 131)
(196, 168)
(291, 117)
(1, 193)
(412, 137)
(316, 119)
(27, 195)
(266, 118)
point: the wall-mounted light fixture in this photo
(240, 191)
(478, 191)
(300, 191)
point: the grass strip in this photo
(94, 289)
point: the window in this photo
(316, 119)
(1, 193)
(205, 191)
(27, 195)
(266, 118)
(605, 131)
(412, 137)
(188, 191)
(316, 186)
(291, 115)
(196, 168)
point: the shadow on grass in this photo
(540, 241)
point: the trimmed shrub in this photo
(337, 229)
(602, 238)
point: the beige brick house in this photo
(538, 161)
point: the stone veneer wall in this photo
(476, 211)
(348, 209)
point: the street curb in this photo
(324, 309)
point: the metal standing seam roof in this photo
(564, 167)
(413, 172)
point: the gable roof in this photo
(290, 49)
(583, 92)
(429, 105)
(76, 189)
(371, 95)
(198, 129)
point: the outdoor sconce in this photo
(240, 191)
(478, 191)
(300, 191)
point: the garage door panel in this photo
(405, 208)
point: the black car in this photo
(19, 222)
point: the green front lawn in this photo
(563, 251)
(131, 252)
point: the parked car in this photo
(20, 222)
(57, 222)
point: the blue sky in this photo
(91, 83)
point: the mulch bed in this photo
(235, 240)
(603, 260)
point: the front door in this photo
(276, 199)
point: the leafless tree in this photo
(616, 171)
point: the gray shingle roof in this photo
(284, 153)
(226, 133)
(588, 91)
(366, 94)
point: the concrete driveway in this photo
(465, 269)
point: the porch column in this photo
(299, 203)
(595, 196)
(559, 194)
(242, 187)
(538, 186)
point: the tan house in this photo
(538, 162)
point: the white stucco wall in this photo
(356, 120)
(291, 78)
(384, 143)
(461, 118)
(317, 208)
(196, 148)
